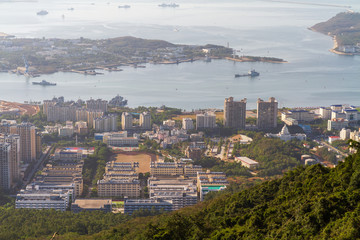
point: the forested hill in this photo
(307, 203)
(345, 26)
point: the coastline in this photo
(336, 46)
(116, 67)
(252, 60)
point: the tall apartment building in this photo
(88, 116)
(187, 124)
(24, 133)
(5, 172)
(81, 114)
(28, 150)
(234, 113)
(91, 115)
(106, 123)
(14, 158)
(267, 113)
(8, 126)
(38, 145)
(59, 110)
(206, 120)
(145, 120)
(98, 104)
(60, 113)
(126, 121)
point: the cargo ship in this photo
(44, 83)
(251, 73)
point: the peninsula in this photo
(344, 28)
(33, 57)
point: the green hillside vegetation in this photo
(132, 42)
(274, 155)
(40, 224)
(345, 26)
(307, 203)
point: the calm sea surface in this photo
(313, 77)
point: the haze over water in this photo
(313, 77)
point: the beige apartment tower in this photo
(234, 113)
(267, 113)
(12, 166)
(145, 120)
(126, 121)
(5, 175)
(27, 134)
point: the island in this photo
(344, 28)
(256, 59)
(33, 57)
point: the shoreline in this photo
(335, 47)
(252, 60)
(116, 67)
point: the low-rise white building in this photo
(206, 120)
(120, 139)
(337, 124)
(299, 115)
(210, 182)
(345, 134)
(285, 135)
(43, 199)
(181, 192)
(67, 131)
(72, 153)
(247, 162)
(187, 124)
(325, 113)
(169, 123)
(333, 139)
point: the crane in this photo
(26, 65)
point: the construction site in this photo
(13, 108)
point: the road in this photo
(40, 161)
(334, 149)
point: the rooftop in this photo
(92, 203)
(247, 160)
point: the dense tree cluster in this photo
(274, 155)
(94, 165)
(327, 155)
(40, 224)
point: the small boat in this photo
(42, 13)
(124, 6)
(251, 73)
(44, 83)
(173, 5)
